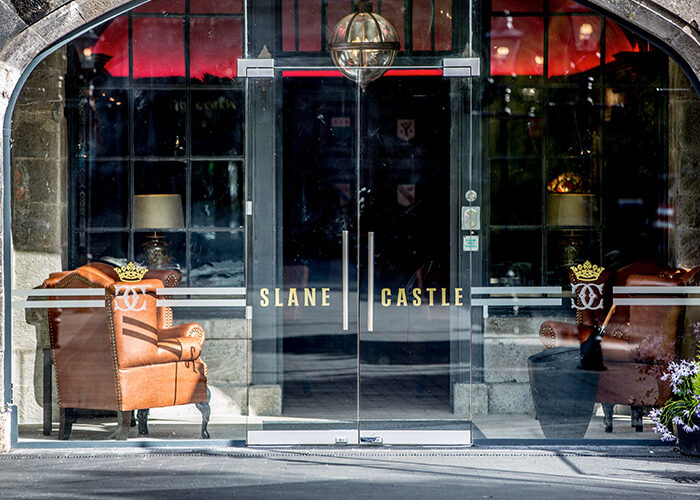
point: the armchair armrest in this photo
(557, 333)
(193, 330)
(178, 349)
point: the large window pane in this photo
(217, 122)
(215, 47)
(159, 123)
(516, 192)
(217, 194)
(106, 187)
(217, 259)
(169, 60)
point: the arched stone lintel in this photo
(676, 23)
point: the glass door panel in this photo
(362, 327)
(311, 306)
(413, 354)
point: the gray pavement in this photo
(379, 473)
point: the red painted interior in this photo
(516, 43)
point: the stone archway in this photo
(29, 28)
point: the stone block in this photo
(479, 399)
(59, 22)
(30, 269)
(499, 325)
(220, 328)
(265, 400)
(16, 56)
(11, 25)
(687, 248)
(38, 180)
(38, 227)
(510, 399)
(38, 135)
(91, 9)
(226, 360)
(505, 357)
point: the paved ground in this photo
(512, 473)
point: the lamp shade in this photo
(158, 211)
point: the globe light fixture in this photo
(363, 45)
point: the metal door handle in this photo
(370, 281)
(346, 280)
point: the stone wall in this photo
(684, 168)
(39, 218)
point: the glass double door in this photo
(371, 303)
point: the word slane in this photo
(321, 297)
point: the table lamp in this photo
(157, 211)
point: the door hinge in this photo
(248, 312)
(249, 208)
(461, 66)
(256, 68)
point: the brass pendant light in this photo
(363, 45)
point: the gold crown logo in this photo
(131, 272)
(587, 271)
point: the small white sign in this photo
(470, 243)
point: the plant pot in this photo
(689, 442)
(564, 396)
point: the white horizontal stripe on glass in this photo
(201, 303)
(646, 290)
(516, 302)
(515, 290)
(59, 292)
(201, 291)
(656, 302)
(55, 304)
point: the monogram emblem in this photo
(129, 298)
(589, 294)
(406, 129)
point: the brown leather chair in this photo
(126, 355)
(639, 343)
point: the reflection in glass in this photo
(217, 194)
(110, 247)
(211, 109)
(169, 60)
(107, 190)
(215, 47)
(217, 259)
(517, 46)
(515, 257)
(159, 123)
(160, 178)
(105, 117)
(516, 190)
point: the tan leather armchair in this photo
(126, 355)
(639, 343)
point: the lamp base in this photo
(155, 248)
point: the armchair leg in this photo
(66, 420)
(608, 409)
(133, 418)
(123, 425)
(205, 410)
(143, 422)
(637, 413)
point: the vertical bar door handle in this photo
(346, 280)
(370, 281)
